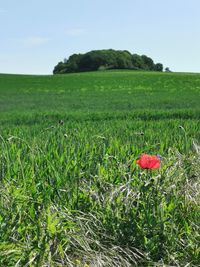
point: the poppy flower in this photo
(149, 162)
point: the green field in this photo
(71, 192)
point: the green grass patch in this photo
(71, 193)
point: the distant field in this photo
(71, 192)
(122, 91)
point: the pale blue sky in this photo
(36, 34)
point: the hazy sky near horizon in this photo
(37, 34)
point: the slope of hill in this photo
(112, 91)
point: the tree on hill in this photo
(158, 67)
(106, 59)
(167, 69)
(148, 63)
(137, 62)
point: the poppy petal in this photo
(149, 162)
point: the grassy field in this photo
(71, 193)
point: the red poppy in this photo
(149, 162)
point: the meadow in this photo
(71, 193)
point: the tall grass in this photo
(72, 195)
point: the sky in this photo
(36, 34)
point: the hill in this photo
(104, 60)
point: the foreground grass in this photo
(72, 195)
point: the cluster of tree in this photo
(104, 60)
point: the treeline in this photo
(105, 60)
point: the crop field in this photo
(71, 193)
